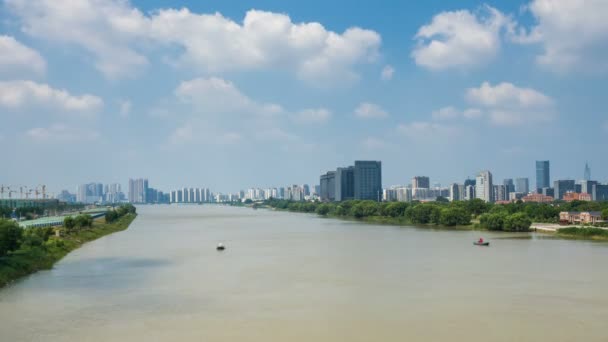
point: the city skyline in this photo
(304, 88)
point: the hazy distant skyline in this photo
(229, 95)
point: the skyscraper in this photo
(509, 187)
(522, 185)
(484, 187)
(587, 172)
(368, 180)
(327, 186)
(543, 175)
(138, 190)
(421, 182)
(560, 187)
(345, 183)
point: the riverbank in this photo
(30, 259)
(583, 233)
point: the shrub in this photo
(10, 236)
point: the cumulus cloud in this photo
(311, 116)
(15, 56)
(450, 113)
(460, 39)
(367, 110)
(61, 133)
(118, 36)
(507, 104)
(387, 73)
(216, 96)
(19, 94)
(573, 34)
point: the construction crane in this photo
(21, 191)
(10, 193)
(3, 189)
(38, 192)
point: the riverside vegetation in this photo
(25, 251)
(473, 214)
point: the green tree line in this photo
(516, 216)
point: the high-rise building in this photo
(587, 186)
(560, 187)
(90, 193)
(484, 187)
(306, 189)
(345, 183)
(548, 192)
(327, 186)
(510, 185)
(368, 180)
(457, 192)
(522, 185)
(468, 182)
(543, 175)
(587, 175)
(599, 192)
(421, 182)
(469, 192)
(500, 193)
(138, 190)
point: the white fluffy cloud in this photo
(118, 36)
(16, 56)
(460, 39)
(573, 33)
(217, 96)
(311, 116)
(19, 94)
(387, 73)
(507, 104)
(450, 113)
(367, 110)
(61, 133)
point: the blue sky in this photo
(228, 94)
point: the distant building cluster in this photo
(94, 193)
(363, 181)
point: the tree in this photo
(518, 222)
(323, 209)
(441, 199)
(10, 236)
(395, 209)
(69, 223)
(477, 206)
(493, 221)
(364, 209)
(454, 217)
(422, 213)
(605, 214)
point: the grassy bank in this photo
(587, 233)
(30, 259)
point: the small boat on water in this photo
(485, 243)
(220, 247)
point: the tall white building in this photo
(469, 192)
(457, 192)
(484, 186)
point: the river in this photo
(299, 277)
